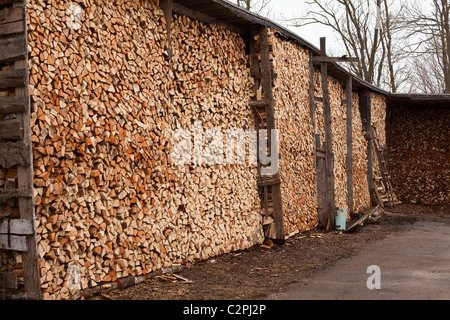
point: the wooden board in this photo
(12, 49)
(13, 242)
(13, 154)
(13, 78)
(13, 193)
(11, 129)
(361, 220)
(16, 226)
(8, 281)
(13, 104)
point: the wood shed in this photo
(91, 93)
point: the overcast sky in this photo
(312, 33)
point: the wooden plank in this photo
(13, 154)
(269, 182)
(10, 15)
(8, 281)
(254, 65)
(13, 78)
(331, 206)
(259, 103)
(25, 180)
(7, 194)
(16, 226)
(11, 28)
(270, 118)
(349, 157)
(167, 7)
(365, 109)
(12, 49)
(312, 105)
(11, 129)
(13, 242)
(333, 59)
(13, 104)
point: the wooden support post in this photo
(270, 116)
(349, 158)
(25, 177)
(366, 115)
(312, 103)
(166, 6)
(331, 207)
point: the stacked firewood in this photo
(294, 124)
(361, 196)
(419, 160)
(110, 201)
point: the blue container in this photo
(341, 219)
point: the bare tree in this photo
(256, 6)
(430, 34)
(368, 30)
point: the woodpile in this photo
(361, 196)
(378, 115)
(109, 200)
(106, 98)
(378, 109)
(419, 161)
(339, 131)
(294, 124)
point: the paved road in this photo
(414, 264)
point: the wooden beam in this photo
(13, 78)
(13, 154)
(312, 105)
(11, 28)
(331, 206)
(167, 7)
(13, 242)
(270, 118)
(10, 15)
(197, 15)
(259, 103)
(13, 104)
(366, 115)
(349, 158)
(16, 226)
(8, 281)
(255, 69)
(333, 59)
(7, 194)
(11, 129)
(12, 49)
(25, 180)
(269, 182)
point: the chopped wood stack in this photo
(294, 124)
(339, 131)
(110, 201)
(107, 97)
(378, 115)
(361, 196)
(419, 159)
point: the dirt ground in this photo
(258, 272)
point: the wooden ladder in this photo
(382, 185)
(263, 106)
(17, 211)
